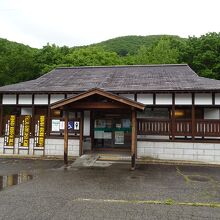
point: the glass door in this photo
(112, 131)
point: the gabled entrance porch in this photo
(113, 123)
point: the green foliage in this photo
(91, 56)
(50, 56)
(129, 45)
(203, 54)
(161, 53)
(19, 62)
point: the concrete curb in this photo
(162, 162)
(116, 160)
(35, 157)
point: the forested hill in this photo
(131, 44)
(19, 62)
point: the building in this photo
(159, 111)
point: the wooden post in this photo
(193, 116)
(81, 133)
(173, 117)
(133, 139)
(48, 117)
(92, 129)
(66, 138)
(1, 120)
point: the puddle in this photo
(198, 178)
(14, 179)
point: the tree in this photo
(203, 54)
(17, 62)
(161, 53)
(91, 56)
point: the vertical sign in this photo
(40, 131)
(25, 131)
(76, 126)
(9, 139)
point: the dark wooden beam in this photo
(98, 105)
(92, 128)
(48, 116)
(99, 92)
(66, 137)
(17, 99)
(154, 98)
(135, 97)
(193, 116)
(133, 139)
(81, 133)
(213, 98)
(1, 120)
(173, 117)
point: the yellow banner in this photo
(10, 131)
(26, 124)
(41, 129)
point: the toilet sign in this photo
(76, 125)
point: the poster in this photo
(40, 131)
(70, 125)
(98, 134)
(62, 125)
(119, 137)
(126, 123)
(76, 125)
(25, 131)
(55, 125)
(9, 139)
(107, 135)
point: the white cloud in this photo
(78, 22)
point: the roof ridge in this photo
(121, 66)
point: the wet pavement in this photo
(14, 179)
(114, 192)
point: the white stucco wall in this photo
(203, 152)
(203, 99)
(183, 99)
(129, 96)
(163, 99)
(9, 99)
(53, 147)
(25, 99)
(71, 95)
(211, 113)
(217, 98)
(86, 123)
(26, 111)
(146, 99)
(40, 99)
(56, 97)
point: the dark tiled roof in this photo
(117, 78)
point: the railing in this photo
(180, 127)
(207, 128)
(154, 126)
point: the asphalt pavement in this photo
(44, 189)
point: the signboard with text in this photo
(10, 124)
(25, 127)
(40, 124)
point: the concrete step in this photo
(86, 160)
(114, 157)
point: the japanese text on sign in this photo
(25, 131)
(40, 131)
(10, 131)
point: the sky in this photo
(82, 22)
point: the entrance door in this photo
(112, 130)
